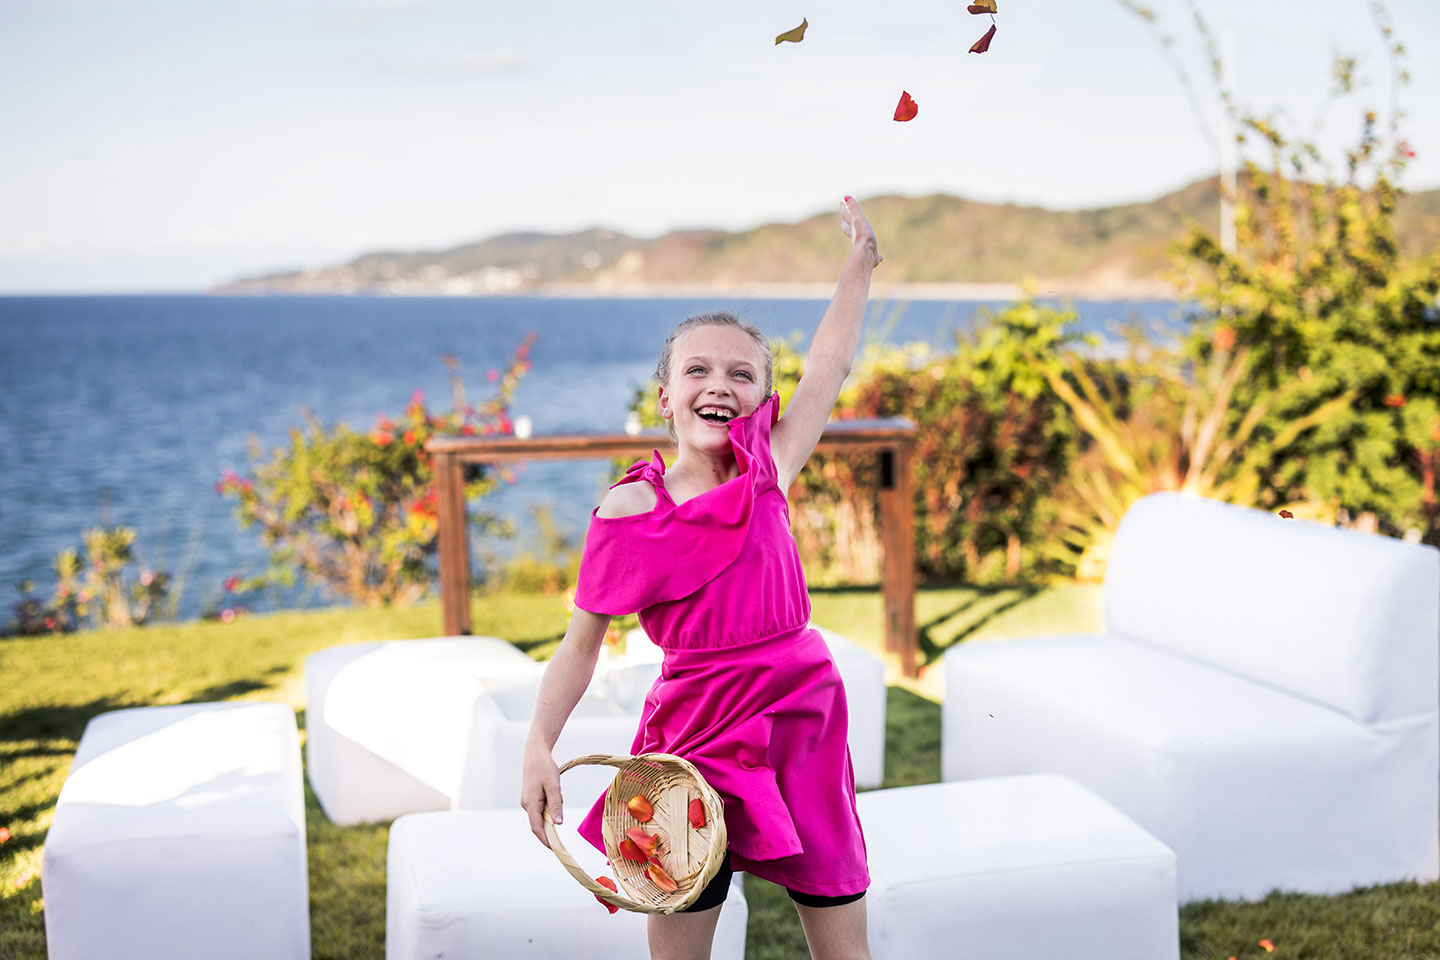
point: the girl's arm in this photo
(562, 686)
(832, 352)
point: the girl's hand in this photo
(858, 229)
(540, 788)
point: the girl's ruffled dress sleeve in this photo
(631, 563)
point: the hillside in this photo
(1112, 252)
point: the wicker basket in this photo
(691, 856)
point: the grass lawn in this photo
(53, 686)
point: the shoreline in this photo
(1002, 292)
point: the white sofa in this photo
(478, 884)
(180, 832)
(1263, 700)
(863, 674)
(1025, 868)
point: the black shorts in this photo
(718, 889)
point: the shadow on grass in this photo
(238, 688)
(61, 722)
(931, 651)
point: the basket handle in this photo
(573, 867)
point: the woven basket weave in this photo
(691, 856)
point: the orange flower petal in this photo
(647, 842)
(640, 808)
(1269, 947)
(662, 879)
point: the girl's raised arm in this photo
(832, 352)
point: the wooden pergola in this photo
(892, 439)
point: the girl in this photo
(748, 692)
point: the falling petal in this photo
(1286, 515)
(983, 43)
(906, 108)
(982, 6)
(794, 36)
(1269, 947)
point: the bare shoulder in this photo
(628, 500)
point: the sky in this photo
(170, 146)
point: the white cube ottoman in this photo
(863, 674)
(1025, 868)
(477, 884)
(180, 832)
(604, 721)
(388, 724)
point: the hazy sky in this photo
(172, 145)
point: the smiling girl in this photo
(748, 691)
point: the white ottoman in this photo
(863, 674)
(604, 721)
(477, 884)
(180, 832)
(388, 724)
(1025, 868)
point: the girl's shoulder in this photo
(628, 500)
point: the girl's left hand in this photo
(858, 229)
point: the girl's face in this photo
(712, 368)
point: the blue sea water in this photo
(127, 409)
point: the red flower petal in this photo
(983, 43)
(610, 884)
(906, 108)
(697, 813)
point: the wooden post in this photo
(454, 544)
(898, 572)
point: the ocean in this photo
(127, 409)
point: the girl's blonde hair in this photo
(717, 318)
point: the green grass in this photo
(53, 686)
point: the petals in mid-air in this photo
(983, 43)
(907, 108)
(982, 6)
(794, 36)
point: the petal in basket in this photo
(676, 859)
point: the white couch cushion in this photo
(1343, 618)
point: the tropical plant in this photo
(357, 512)
(94, 586)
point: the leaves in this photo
(795, 35)
(907, 108)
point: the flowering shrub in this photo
(357, 512)
(95, 588)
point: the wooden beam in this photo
(893, 439)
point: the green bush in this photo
(357, 512)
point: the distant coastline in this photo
(879, 290)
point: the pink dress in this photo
(748, 691)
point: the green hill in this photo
(1118, 252)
